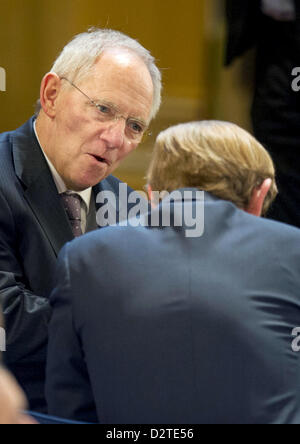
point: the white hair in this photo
(80, 55)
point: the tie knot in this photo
(72, 206)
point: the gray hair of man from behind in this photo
(80, 55)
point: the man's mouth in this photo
(100, 159)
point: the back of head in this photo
(217, 157)
(78, 57)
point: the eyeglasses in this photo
(135, 131)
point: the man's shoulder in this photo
(7, 141)
(284, 238)
(119, 235)
(6, 159)
(111, 243)
(269, 228)
(268, 245)
(24, 129)
(266, 231)
(7, 138)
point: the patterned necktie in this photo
(72, 205)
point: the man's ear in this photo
(50, 88)
(258, 197)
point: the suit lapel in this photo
(40, 190)
(44, 201)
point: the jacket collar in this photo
(28, 158)
(173, 207)
(40, 190)
(191, 195)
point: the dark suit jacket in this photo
(276, 110)
(152, 327)
(243, 18)
(33, 229)
(246, 26)
(276, 106)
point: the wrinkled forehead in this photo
(119, 63)
(123, 78)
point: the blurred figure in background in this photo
(12, 401)
(273, 28)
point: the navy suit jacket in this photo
(247, 27)
(150, 326)
(33, 229)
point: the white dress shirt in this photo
(61, 187)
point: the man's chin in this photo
(84, 184)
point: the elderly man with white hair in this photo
(95, 106)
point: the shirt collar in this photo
(60, 185)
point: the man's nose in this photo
(114, 133)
